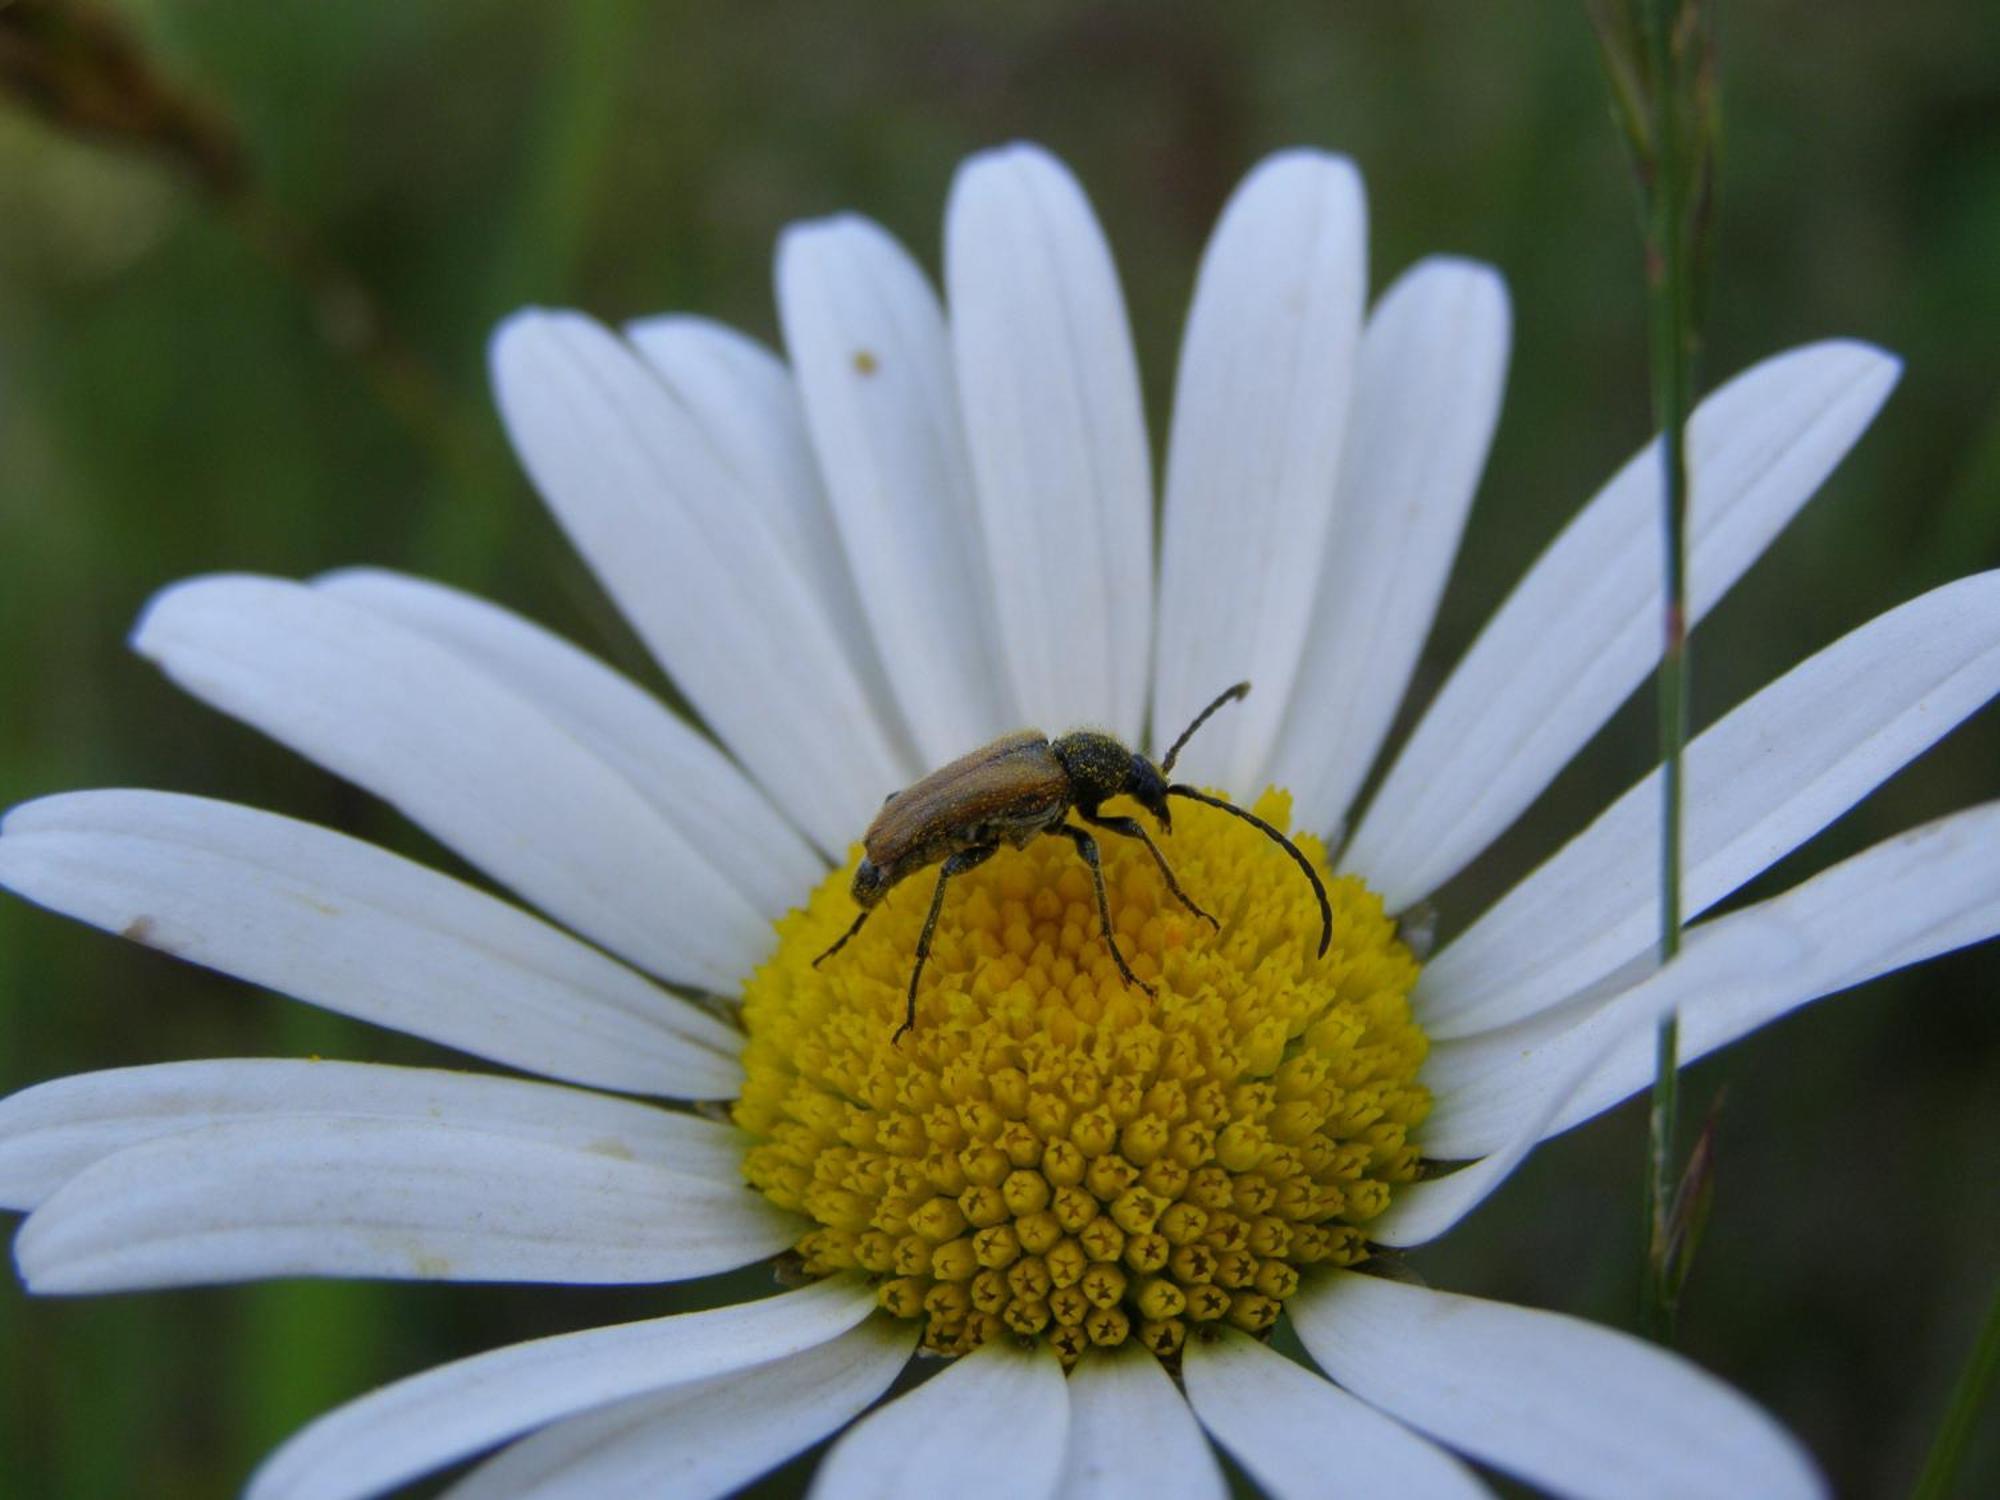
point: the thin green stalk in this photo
(1975, 1383)
(1670, 327)
(1658, 67)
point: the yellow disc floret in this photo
(1052, 1152)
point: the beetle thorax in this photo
(1098, 766)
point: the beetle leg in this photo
(841, 941)
(957, 864)
(1132, 828)
(1087, 847)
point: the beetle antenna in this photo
(1181, 789)
(1241, 690)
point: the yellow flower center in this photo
(1055, 1153)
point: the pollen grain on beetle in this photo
(1053, 1152)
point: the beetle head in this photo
(869, 883)
(1146, 786)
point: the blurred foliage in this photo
(177, 395)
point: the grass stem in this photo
(1975, 1383)
(1658, 65)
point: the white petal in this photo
(464, 758)
(407, 1429)
(1541, 1085)
(52, 1131)
(1050, 388)
(868, 347)
(697, 564)
(1433, 365)
(687, 781)
(990, 1426)
(339, 923)
(1260, 410)
(1909, 898)
(1564, 1404)
(1131, 1433)
(748, 405)
(1761, 782)
(1301, 1438)
(321, 1196)
(1582, 629)
(702, 1440)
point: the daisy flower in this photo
(1091, 1199)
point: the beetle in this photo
(1018, 788)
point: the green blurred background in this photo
(175, 398)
